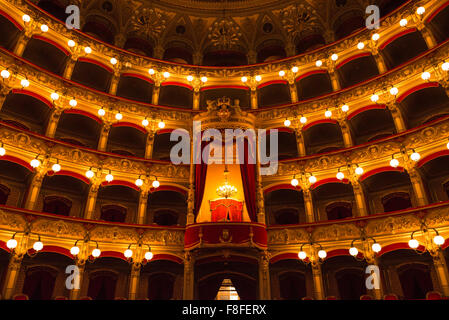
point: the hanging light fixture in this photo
(319, 63)
(73, 103)
(71, 43)
(89, 173)
(328, 113)
(2, 150)
(303, 120)
(294, 182)
(156, 183)
(415, 156)
(334, 57)
(5, 74)
(403, 23)
(420, 11)
(359, 170)
(394, 162)
(287, 123)
(145, 122)
(87, 50)
(295, 69)
(394, 91)
(282, 73)
(56, 167)
(35, 162)
(161, 124)
(360, 45)
(425, 76)
(44, 28)
(226, 190)
(139, 182)
(312, 179)
(340, 175)
(345, 108)
(26, 18)
(101, 112)
(109, 177)
(25, 83)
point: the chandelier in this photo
(224, 34)
(226, 190)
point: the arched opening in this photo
(333, 200)
(287, 147)
(415, 281)
(26, 109)
(371, 125)
(178, 52)
(176, 96)
(380, 185)
(64, 195)
(160, 286)
(351, 284)
(117, 203)
(434, 99)
(320, 137)
(4, 193)
(273, 95)
(92, 75)
(39, 283)
(128, 139)
(396, 201)
(139, 46)
(99, 28)
(162, 146)
(339, 210)
(133, 88)
(14, 181)
(46, 55)
(9, 33)
(285, 207)
(163, 279)
(435, 174)
(440, 25)
(292, 286)
(102, 285)
(271, 50)
(313, 86)
(78, 128)
(167, 208)
(404, 49)
(357, 71)
(291, 280)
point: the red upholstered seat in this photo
(85, 298)
(307, 298)
(61, 298)
(433, 295)
(226, 210)
(366, 297)
(20, 296)
(391, 296)
(331, 298)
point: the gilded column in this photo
(4, 91)
(70, 66)
(428, 36)
(134, 278)
(34, 189)
(360, 199)
(188, 292)
(318, 286)
(418, 187)
(149, 144)
(196, 93)
(373, 277)
(156, 91)
(114, 82)
(441, 269)
(22, 41)
(264, 277)
(254, 98)
(53, 122)
(191, 192)
(142, 210)
(300, 142)
(380, 61)
(89, 210)
(11, 276)
(308, 204)
(103, 141)
(75, 292)
(346, 132)
(336, 86)
(398, 118)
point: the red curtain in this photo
(226, 210)
(200, 174)
(102, 287)
(39, 285)
(248, 171)
(160, 287)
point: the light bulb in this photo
(425, 76)
(139, 182)
(2, 151)
(360, 45)
(394, 91)
(302, 255)
(403, 22)
(128, 253)
(244, 79)
(394, 163)
(11, 244)
(334, 57)
(113, 61)
(345, 108)
(258, 78)
(151, 71)
(413, 243)
(359, 171)
(312, 179)
(281, 73)
(294, 182)
(445, 66)
(287, 123)
(56, 167)
(35, 163)
(109, 177)
(87, 50)
(71, 43)
(148, 255)
(73, 103)
(190, 78)
(145, 122)
(203, 79)
(156, 184)
(166, 75)
(118, 116)
(447, 145)
(328, 114)
(90, 174)
(421, 11)
(74, 250)
(319, 63)
(303, 120)
(5, 74)
(375, 37)
(44, 28)
(439, 240)
(353, 251)
(26, 18)
(376, 247)
(38, 246)
(25, 83)
(96, 253)
(415, 156)
(340, 175)
(161, 124)
(295, 69)
(54, 96)
(322, 254)
(101, 112)
(374, 98)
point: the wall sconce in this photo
(37, 246)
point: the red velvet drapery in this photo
(102, 287)
(248, 171)
(39, 285)
(200, 174)
(226, 210)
